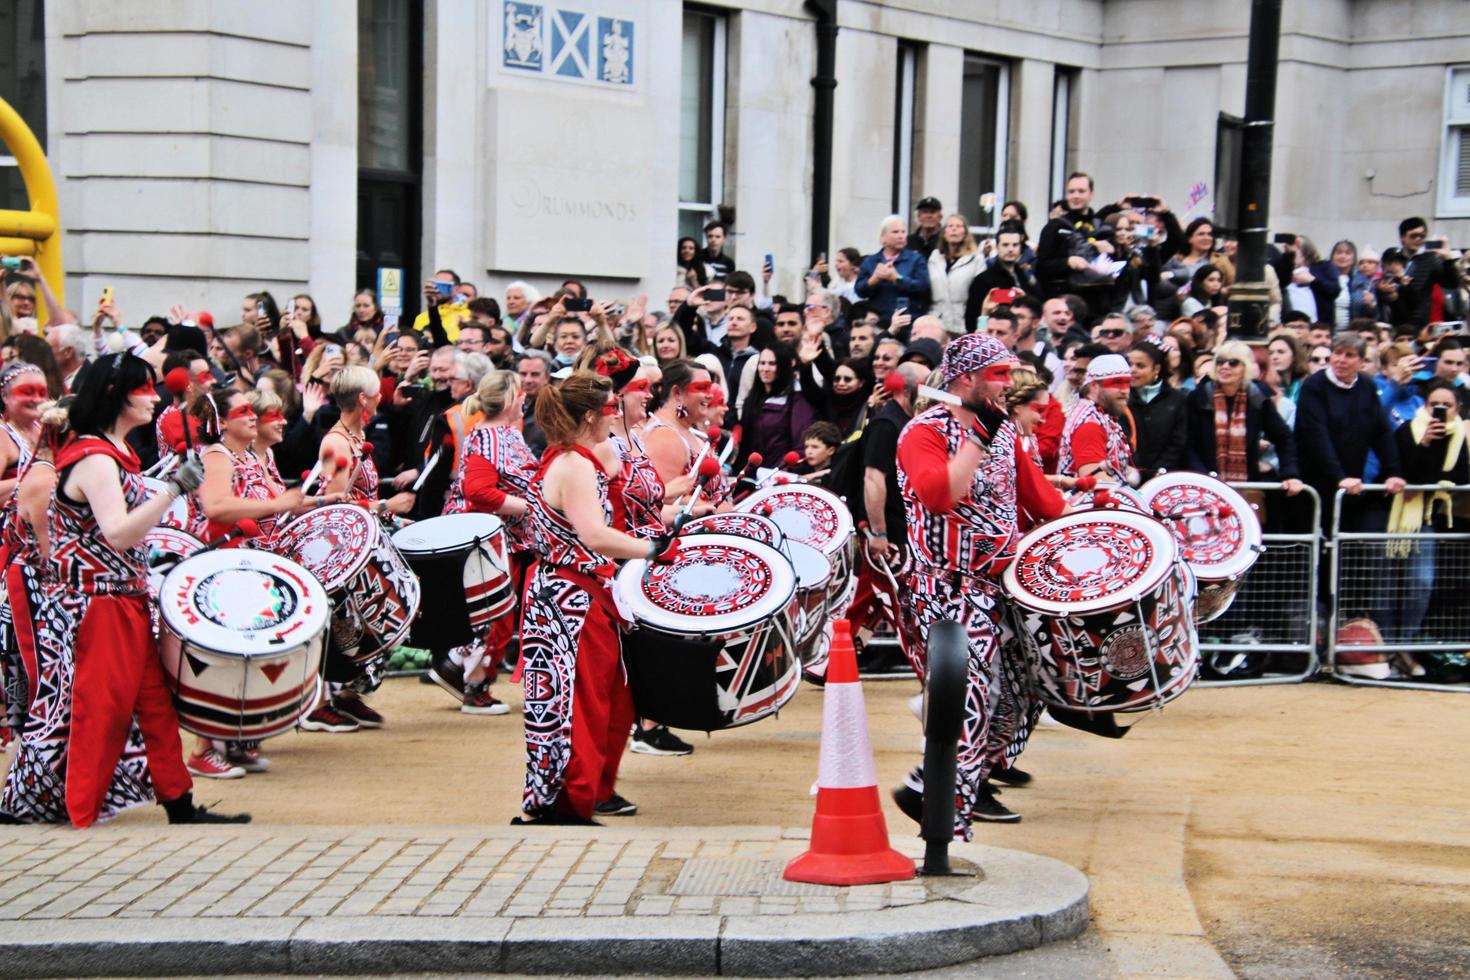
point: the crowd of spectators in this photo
(1363, 379)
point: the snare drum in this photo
(464, 575)
(742, 525)
(1103, 611)
(166, 545)
(177, 514)
(713, 645)
(242, 640)
(1116, 496)
(817, 517)
(1217, 531)
(374, 592)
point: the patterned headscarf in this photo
(972, 352)
(1108, 367)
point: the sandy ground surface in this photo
(1307, 831)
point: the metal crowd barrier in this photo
(1401, 594)
(1274, 614)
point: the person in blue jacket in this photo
(894, 277)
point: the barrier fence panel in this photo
(1399, 618)
(1269, 633)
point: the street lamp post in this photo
(1250, 296)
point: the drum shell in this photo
(228, 696)
(1106, 660)
(684, 681)
(462, 591)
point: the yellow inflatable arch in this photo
(36, 232)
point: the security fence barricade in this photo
(1400, 577)
(1269, 633)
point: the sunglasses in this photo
(1229, 362)
(1112, 333)
(1318, 359)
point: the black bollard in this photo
(944, 715)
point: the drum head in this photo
(334, 542)
(447, 534)
(807, 514)
(1089, 561)
(720, 582)
(167, 541)
(742, 525)
(813, 570)
(246, 603)
(1218, 531)
(1118, 497)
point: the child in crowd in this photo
(819, 444)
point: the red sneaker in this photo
(358, 711)
(327, 718)
(479, 701)
(212, 765)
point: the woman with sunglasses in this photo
(96, 630)
(577, 705)
(1229, 414)
(495, 478)
(238, 485)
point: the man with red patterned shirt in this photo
(965, 483)
(1094, 441)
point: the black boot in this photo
(183, 810)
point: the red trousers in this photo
(119, 676)
(602, 714)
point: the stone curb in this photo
(1023, 901)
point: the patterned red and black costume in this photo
(578, 709)
(81, 755)
(1093, 436)
(636, 492)
(15, 685)
(497, 464)
(250, 479)
(957, 550)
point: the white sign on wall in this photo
(562, 43)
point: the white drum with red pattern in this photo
(817, 517)
(177, 514)
(1217, 531)
(714, 644)
(242, 641)
(166, 546)
(375, 594)
(1104, 611)
(738, 523)
(1116, 496)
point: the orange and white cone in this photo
(849, 835)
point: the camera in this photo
(578, 305)
(1441, 413)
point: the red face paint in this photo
(997, 373)
(1116, 384)
(204, 378)
(611, 408)
(699, 387)
(271, 417)
(240, 412)
(145, 390)
(639, 387)
(28, 391)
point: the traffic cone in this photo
(849, 835)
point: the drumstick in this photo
(433, 461)
(326, 457)
(729, 449)
(787, 461)
(880, 563)
(938, 395)
(713, 436)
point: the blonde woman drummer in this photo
(495, 479)
(357, 390)
(237, 487)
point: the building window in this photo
(984, 136)
(903, 128)
(701, 121)
(23, 82)
(1061, 127)
(1454, 171)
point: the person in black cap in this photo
(928, 217)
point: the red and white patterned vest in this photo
(1120, 454)
(556, 540)
(504, 448)
(80, 555)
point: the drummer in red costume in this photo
(965, 482)
(676, 431)
(22, 395)
(577, 705)
(1095, 442)
(495, 478)
(190, 370)
(357, 390)
(237, 486)
(99, 616)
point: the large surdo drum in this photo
(713, 645)
(242, 640)
(1216, 529)
(1104, 612)
(464, 576)
(375, 594)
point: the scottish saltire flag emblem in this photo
(523, 45)
(571, 44)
